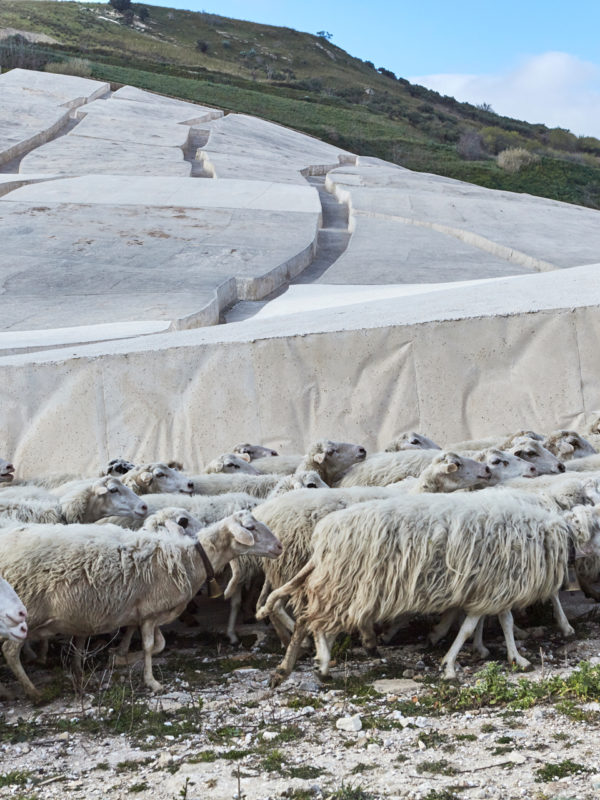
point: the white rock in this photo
(269, 735)
(349, 723)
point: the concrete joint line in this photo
(474, 239)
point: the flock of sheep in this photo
(341, 542)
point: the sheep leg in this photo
(79, 649)
(478, 644)
(43, 651)
(323, 645)
(159, 641)
(588, 588)
(264, 593)
(12, 654)
(393, 630)
(513, 655)
(466, 630)
(561, 617)
(291, 656)
(135, 655)
(443, 626)
(121, 654)
(280, 629)
(235, 603)
(147, 631)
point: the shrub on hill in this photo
(74, 66)
(515, 158)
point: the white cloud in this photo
(555, 88)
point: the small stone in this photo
(408, 673)
(349, 723)
(422, 745)
(164, 760)
(395, 685)
(362, 741)
(269, 735)
(63, 737)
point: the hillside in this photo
(303, 81)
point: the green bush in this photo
(516, 158)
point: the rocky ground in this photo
(383, 727)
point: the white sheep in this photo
(585, 525)
(302, 479)
(93, 581)
(85, 501)
(567, 445)
(118, 466)
(411, 441)
(532, 450)
(231, 463)
(504, 466)
(278, 465)
(585, 464)
(375, 561)
(158, 478)
(383, 469)
(254, 451)
(13, 619)
(560, 492)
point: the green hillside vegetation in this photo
(306, 82)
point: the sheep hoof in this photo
(154, 686)
(277, 678)
(568, 632)
(482, 651)
(324, 678)
(522, 662)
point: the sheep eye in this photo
(159, 474)
(235, 466)
(183, 522)
(113, 490)
(495, 461)
(414, 441)
(530, 453)
(311, 485)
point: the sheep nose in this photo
(362, 451)
(487, 470)
(561, 466)
(18, 616)
(9, 468)
(190, 485)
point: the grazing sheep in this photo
(533, 451)
(85, 580)
(85, 501)
(567, 445)
(411, 441)
(424, 554)
(255, 451)
(7, 471)
(303, 479)
(158, 478)
(230, 463)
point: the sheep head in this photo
(411, 441)
(254, 451)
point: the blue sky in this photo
(533, 60)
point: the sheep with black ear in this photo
(84, 501)
(118, 466)
(498, 554)
(85, 580)
(411, 441)
(568, 445)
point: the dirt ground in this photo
(218, 731)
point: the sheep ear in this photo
(319, 458)
(100, 490)
(244, 456)
(451, 467)
(241, 534)
(173, 527)
(145, 477)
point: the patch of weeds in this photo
(562, 769)
(441, 767)
(351, 793)
(504, 740)
(355, 687)
(301, 701)
(251, 704)
(466, 737)
(103, 765)
(341, 647)
(290, 733)
(487, 727)
(305, 772)
(224, 734)
(202, 757)
(127, 766)
(273, 762)
(432, 739)
(573, 711)
(441, 794)
(502, 750)
(298, 794)
(370, 722)
(360, 768)
(401, 758)
(138, 787)
(234, 755)
(15, 778)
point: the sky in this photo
(537, 60)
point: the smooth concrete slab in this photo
(464, 362)
(26, 123)
(534, 232)
(157, 191)
(408, 254)
(180, 107)
(9, 181)
(159, 133)
(80, 155)
(67, 90)
(245, 145)
(91, 263)
(139, 110)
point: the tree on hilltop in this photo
(120, 5)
